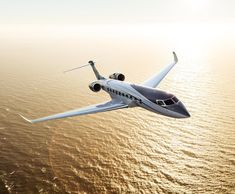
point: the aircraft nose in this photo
(183, 111)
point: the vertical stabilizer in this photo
(97, 74)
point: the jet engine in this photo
(117, 76)
(95, 87)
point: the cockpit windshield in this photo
(159, 97)
(175, 99)
(160, 102)
(167, 102)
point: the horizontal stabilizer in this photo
(26, 119)
(90, 63)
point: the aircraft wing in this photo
(157, 78)
(106, 106)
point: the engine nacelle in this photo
(117, 76)
(95, 87)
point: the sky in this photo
(191, 27)
(77, 12)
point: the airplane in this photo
(128, 95)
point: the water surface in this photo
(124, 151)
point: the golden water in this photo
(124, 151)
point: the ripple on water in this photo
(126, 151)
(189, 153)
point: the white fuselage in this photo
(125, 92)
(124, 95)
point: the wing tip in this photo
(28, 120)
(175, 57)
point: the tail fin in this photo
(92, 64)
(97, 74)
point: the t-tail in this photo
(92, 64)
(97, 74)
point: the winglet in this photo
(25, 119)
(175, 57)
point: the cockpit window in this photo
(160, 102)
(158, 97)
(169, 102)
(175, 99)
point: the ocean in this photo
(123, 151)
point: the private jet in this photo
(128, 95)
